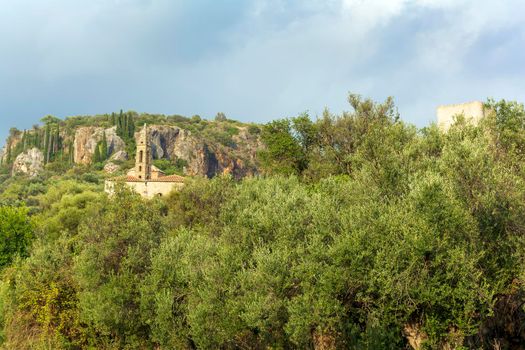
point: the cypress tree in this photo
(24, 140)
(50, 147)
(120, 121)
(104, 147)
(96, 155)
(8, 156)
(125, 129)
(37, 139)
(71, 153)
(58, 145)
(29, 139)
(47, 138)
(131, 127)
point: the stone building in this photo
(472, 111)
(145, 178)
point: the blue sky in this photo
(255, 60)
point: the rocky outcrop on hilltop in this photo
(207, 149)
(163, 138)
(171, 142)
(205, 158)
(30, 162)
(87, 138)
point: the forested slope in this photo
(361, 232)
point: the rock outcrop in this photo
(110, 168)
(170, 142)
(201, 158)
(87, 138)
(120, 156)
(30, 162)
(163, 138)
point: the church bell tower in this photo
(143, 160)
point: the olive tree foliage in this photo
(38, 295)
(114, 256)
(289, 265)
(329, 145)
(16, 232)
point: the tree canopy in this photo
(362, 232)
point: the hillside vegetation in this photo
(361, 232)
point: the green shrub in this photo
(16, 232)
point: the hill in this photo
(189, 146)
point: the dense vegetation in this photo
(362, 232)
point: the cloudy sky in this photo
(255, 60)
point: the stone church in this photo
(146, 179)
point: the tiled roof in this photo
(169, 178)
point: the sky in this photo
(254, 60)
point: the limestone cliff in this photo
(203, 157)
(30, 162)
(209, 149)
(86, 139)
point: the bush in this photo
(169, 167)
(91, 178)
(16, 232)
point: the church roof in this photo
(169, 178)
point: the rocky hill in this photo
(189, 146)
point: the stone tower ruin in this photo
(472, 111)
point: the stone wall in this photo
(148, 189)
(473, 112)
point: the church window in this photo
(141, 156)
